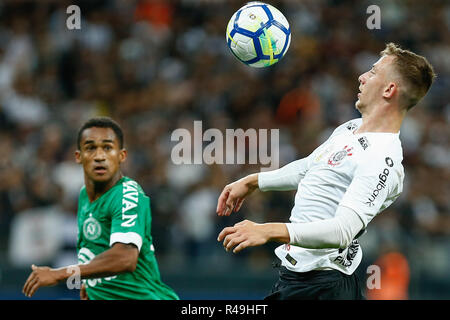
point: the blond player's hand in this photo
(242, 235)
(234, 194)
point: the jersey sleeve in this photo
(128, 221)
(377, 183)
(285, 178)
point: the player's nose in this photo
(99, 155)
(362, 79)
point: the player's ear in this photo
(123, 155)
(390, 90)
(77, 156)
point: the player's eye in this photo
(107, 147)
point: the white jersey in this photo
(363, 172)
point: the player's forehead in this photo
(98, 135)
(383, 62)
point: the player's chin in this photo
(103, 176)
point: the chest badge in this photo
(337, 157)
(91, 228)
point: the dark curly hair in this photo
(101, 122)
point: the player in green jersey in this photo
(115, 251)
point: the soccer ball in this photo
(258, 34)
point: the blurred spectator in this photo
(36, 237)
(394, 278)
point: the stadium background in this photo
(156, 66)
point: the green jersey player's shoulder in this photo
(82, 190)
(129, 188)
(125, 190)
(132, 184)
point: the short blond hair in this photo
(416, 72)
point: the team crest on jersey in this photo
(337, 157)
(91, 228)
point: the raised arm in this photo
(283, 179)
(233, 194)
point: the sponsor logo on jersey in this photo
(129, 202)
(382, 178)
(389, 161)
(91, 228)
(290, 259)
(346, 259)
(337, 157)
(364, 142)
(351, 126)
(323, 154)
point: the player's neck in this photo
(384, 119)
(96, 189)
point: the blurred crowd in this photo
(158, 65)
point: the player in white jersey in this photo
(341, 186)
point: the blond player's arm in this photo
(285, 178)
(337, 232)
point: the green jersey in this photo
(122, 214)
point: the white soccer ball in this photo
(258, 34)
